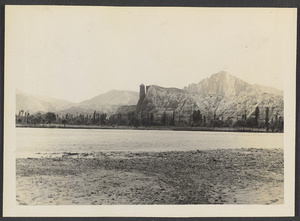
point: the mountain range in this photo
(222, 95)
(108, 103)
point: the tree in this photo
(250, 122)
(146, 120)
(267, 119)
(216, 123)
(228, 123)
(172, 123)
(50, 117)
(256, 116)
(240, 124)
(21, 112)
(281, 126)
(272, 125)
(86, 120)
(112, 120)
(151, 119)
(64, 121)
(103, 118)
(136, 123)
(197, 117)
(26, 117)
(39, 118)
(94, 118)
(204, 120)
(163, 119)
(243, 124)
(119, 119)
(78, 121)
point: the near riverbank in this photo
(233, 176)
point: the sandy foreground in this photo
(232, 176)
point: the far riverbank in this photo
(174, 128)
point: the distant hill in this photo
(111, 98)
(33, 104)
(108, 102)
(58, 104)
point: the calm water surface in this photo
(43, 140)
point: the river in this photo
(32, 141)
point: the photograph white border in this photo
(11, 209)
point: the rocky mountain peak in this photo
(221, 83)
(221, 75)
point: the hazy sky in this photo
(76, 53)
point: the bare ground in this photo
(235, 176)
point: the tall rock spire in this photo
(142, 91)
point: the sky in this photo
(75, 53)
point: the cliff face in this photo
(169, 101)
(222, 95)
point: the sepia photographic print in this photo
(149, 111)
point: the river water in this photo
(31, 141)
